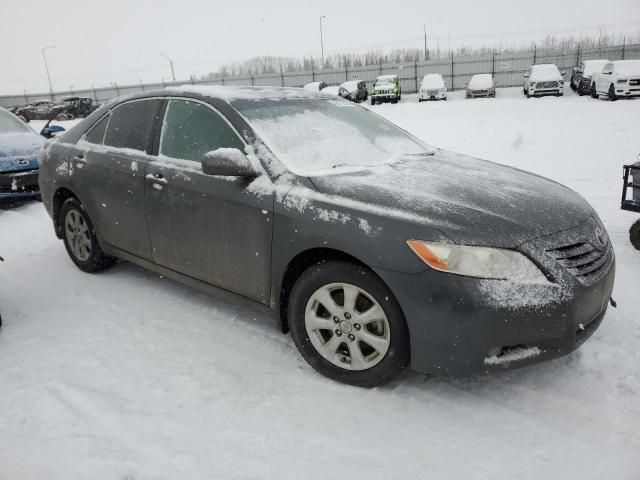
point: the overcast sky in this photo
(121, 40)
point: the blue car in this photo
(19, 146)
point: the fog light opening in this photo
(512, 353)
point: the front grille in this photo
(432, 92)
(547, 85)
(634, 81)
(480, 92)
(584, 261)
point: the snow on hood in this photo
(472, 201)
(545, 73)
(432, 81)
(19, 145)
(627, 67)
(482, 81)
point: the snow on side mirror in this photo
(227, 162)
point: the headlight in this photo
(622, 80)
(532, 84)
(480, 262)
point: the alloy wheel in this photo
(78, 235)
(347, 326)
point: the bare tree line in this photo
(265, 65)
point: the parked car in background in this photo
(543, 79)
(75, 107)
(336, 90)
(356, 90)
(432, 87)
(582, 73)
(618, 79)
(36, 110)
(19, 146)
(376, 251)
(386, 88)
(315, 86)
(481, 85)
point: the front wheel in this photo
(347, 324)
(594, 92)
(612, 94)
(634, 235)
(80, 238)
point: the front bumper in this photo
(539, 92)
(432, 96)
(481, 93)
(626, 90)
(462, 326)
(23, 184)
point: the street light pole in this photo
(424, 26)
(46, 67)
(321, 40)
(170, 63)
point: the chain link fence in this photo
(508, 70)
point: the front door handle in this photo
(156, 179)
(79, 159)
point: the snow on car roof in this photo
(230, 93)
(332, 90)
(314, 86)
(593, 66)
(351, 85)
(545, 71)
(481, 81)
(387, 78)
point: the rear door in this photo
(207, 227)
(107, 171)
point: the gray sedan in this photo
(375, 250)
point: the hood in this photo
(18, 151)
(385, 86)
(472, 201)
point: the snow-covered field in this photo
(125, 375)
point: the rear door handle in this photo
(157, 178)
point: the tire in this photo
(634, 235)
(373, 102)
(581, 91)
(573, 87)
(593, 92)
(612, 94)
(419, 100)
(80, 238)
(334, 358)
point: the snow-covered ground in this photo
(125, 375)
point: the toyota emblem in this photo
(601, 236)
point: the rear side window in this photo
(191, 129)
(96, 134)
(131, 125)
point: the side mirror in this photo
(563, 73)
(51, 131)
(227, 162)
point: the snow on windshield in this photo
(312, 137)
(433, 80)
(481, 80)
(9, 123)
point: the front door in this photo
(207, 227)
(107, 171)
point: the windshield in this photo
(315, 136)
(9, 123)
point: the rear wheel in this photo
(80, 238)
(634, 235)
(612, 94)
(347, 324)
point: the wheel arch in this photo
(298, 264)
(59, 197)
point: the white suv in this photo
(543, 79)
(432, 87)
(618, 79)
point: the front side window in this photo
(131, 125)
(96, 134)
(191, 129)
